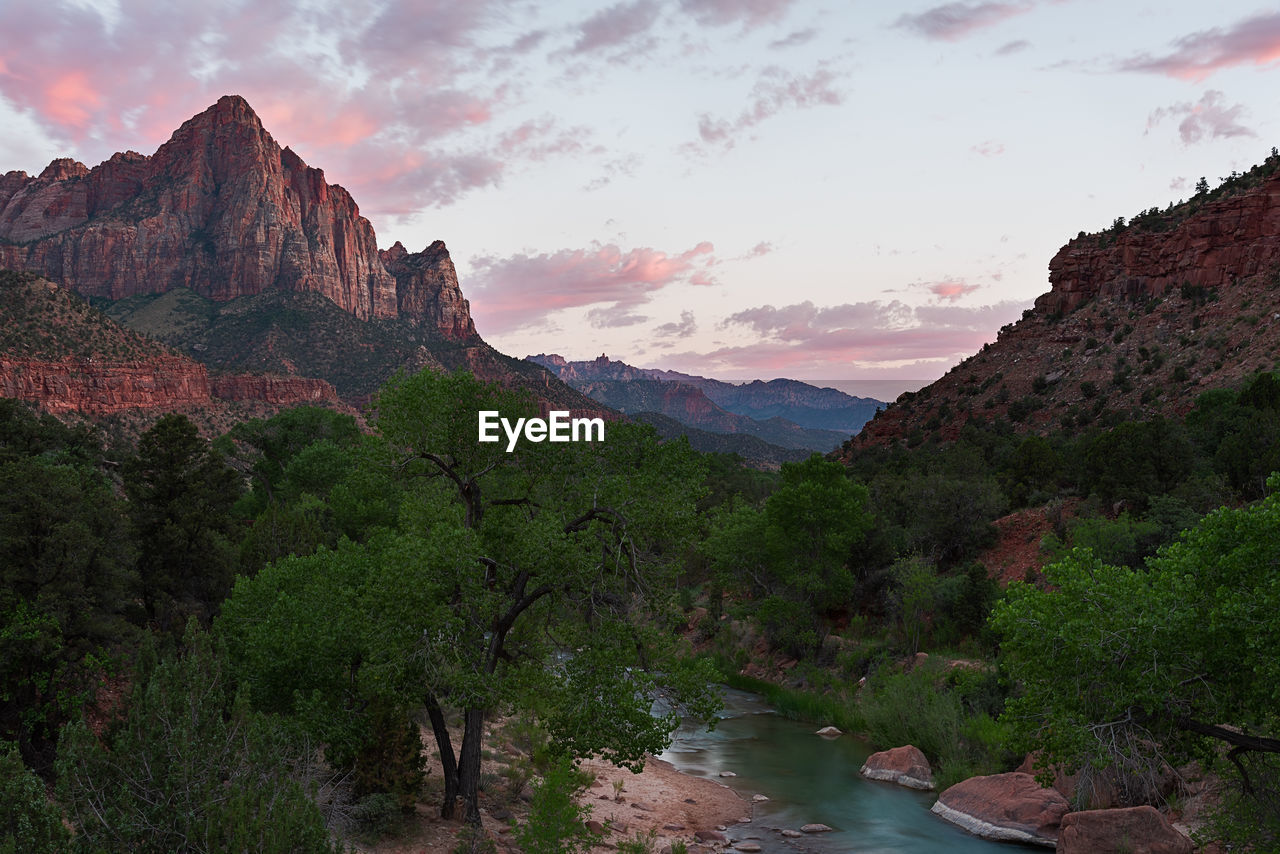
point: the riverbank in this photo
(663, 801)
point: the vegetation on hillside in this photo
(39, 320)
(301, 602)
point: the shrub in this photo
(28, 822)
(556, 823)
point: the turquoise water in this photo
(807, 779)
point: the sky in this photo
(833, 191)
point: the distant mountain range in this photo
(786, 413)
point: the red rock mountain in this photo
(222, 210)
(234, 252)
(1139, 320)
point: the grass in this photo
(798, 705)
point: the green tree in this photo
(66, 591)
(29, 824)
(1137, 460)
(793, 555)
(503, 561)
(267, 447)
(191, 769)
(1122, 667)
(180, 499)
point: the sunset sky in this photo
(736, 188)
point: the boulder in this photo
(1009, 807)
(829, 732)
(904, 765)
(815, 828)
(1136, 830)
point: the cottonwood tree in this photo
(1126, 668)
(533, 578)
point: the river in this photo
(807, 779)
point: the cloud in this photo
(954, 21)
(760, 250)
(796, 39)
(1252, 41)
(615, 26)
(523, 290)
(395, 99)
(952, 289)
(775, 91)
(613, 317)
(1010, 48)
(749, 13)
(804, 337)
(683, 329)
(989, 148)
(1210, 117)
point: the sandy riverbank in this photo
(673, 805)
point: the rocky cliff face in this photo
(427, 289)
(98, 388)
(222, 210)
(1222, 242)
(164, 383)
(1138, 322)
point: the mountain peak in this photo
(233, 108)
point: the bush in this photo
(556, 823)
(29, 824)
(190, 769)
(909, 708)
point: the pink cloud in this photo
(385, 97)
(775, 91)
(989, 148)
(813, 339)
(523, 290)
(750, 13)
(1252, 41)
(616, 25)
(952, 289)
(1210, 117)
(954, 21)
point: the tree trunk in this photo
(448, 763)
(469, 763)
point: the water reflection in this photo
(809, 779)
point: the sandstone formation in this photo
(1009, 807)
(427, 289)
(221, 209)
(101, 388)
(1136, 830)
(1138, 322)
(166, 382)
(905, 766)
(1223, 241)
(273, 389)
